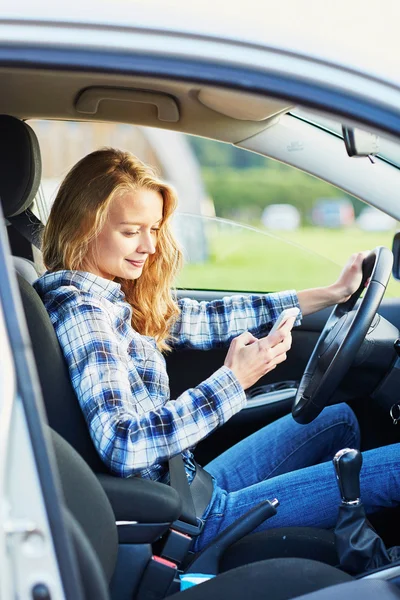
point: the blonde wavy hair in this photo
(78, 215)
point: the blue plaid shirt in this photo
(120, 377)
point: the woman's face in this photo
(128, 237)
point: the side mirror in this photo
(396, 256)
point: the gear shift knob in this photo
(347, 463)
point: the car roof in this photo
(353, 34)
(232, 71)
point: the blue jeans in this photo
(292, 462)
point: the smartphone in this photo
(283, 317)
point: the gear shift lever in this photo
(358, 545)
(347, 463)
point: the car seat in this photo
(90, 521)
(105, 569)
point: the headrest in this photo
(20, 165)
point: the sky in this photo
(353, 32)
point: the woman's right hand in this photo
(250, 358)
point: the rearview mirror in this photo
(359, 142)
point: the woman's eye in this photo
(155, 230)
(130, 233)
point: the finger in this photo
(363, 253)
(357, 262)
(283, 347)
(274, 362)
(361, 256)
(354, 267)
(278, 336)
(281, 358)
(287, 342)
(269, 355)
(244, 339)
(288, 326)
(273, 339)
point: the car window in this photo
(245, 222)
(235, 257)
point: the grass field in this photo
(253, 261)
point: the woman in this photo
(111, 261)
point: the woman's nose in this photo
(147, 245)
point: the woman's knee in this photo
(343, 414)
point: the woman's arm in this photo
(316, 299)
(205, 325)
(349, 281)
(131, 429)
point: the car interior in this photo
(129, 535)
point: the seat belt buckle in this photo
(157, 579)
(188, 528)
(177, 546)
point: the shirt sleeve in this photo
(206, 325)
(111, 393)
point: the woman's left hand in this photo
(349, 281)
(350, 277)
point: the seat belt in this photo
(29, 226)
(179, 482)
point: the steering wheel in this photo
(341, 339)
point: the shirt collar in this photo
(82, 280)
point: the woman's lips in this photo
(136, 263)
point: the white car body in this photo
(371, 219)
(338, 59)
(283, 217)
